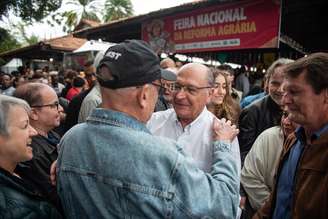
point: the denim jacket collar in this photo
(116, 118)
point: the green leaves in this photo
(7, 41)
(79, 9)
(117, 9)
(29, 10)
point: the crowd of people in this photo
(136, 137)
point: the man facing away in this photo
(301, 183)
(112, 167)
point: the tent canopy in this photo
(12, 65)
(94, 45)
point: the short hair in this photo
(6, 102)
(37, 75)
(226, 67)
(31, 93)
(167, 63)
(70, 74)
(9, 75)
(210, 77)
(276, 64)
(78, 82)
(315, 67)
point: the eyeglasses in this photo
(161, 87)
(54, 105)
(169, 86)
(285, 114)
(193, 90)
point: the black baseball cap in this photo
(131, 63)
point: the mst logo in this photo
(113, 55)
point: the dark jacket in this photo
(73, 110)
(161, 104)
(37, 171)
(310, 198)
(254, 119)
(17, 200)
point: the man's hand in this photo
(224, 130)
(53, 169)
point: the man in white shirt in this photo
(190, 123)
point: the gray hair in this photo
(210, 77)
(6, 102)
(193, 66)
(276, 64)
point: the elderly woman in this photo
(222, 104)
(17, 199)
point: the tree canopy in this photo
(116, 9)
(29, 10)
(75, 10)
(7, 41)
(97, 10)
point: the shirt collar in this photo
(300, 133)
(318, 133)
(116, 118)
(194, 123)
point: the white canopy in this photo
(12, 65)
(93, 45)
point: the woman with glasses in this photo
(222, 105)
(18, 199)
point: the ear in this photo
(210, 95)
(2, 140)
(34, 114)
(143, 96)
(325, 96)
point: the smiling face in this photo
(15, 147)
(188, 105)
(275, 85)
(220, 90)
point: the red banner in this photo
(239, 25)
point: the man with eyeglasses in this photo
(165, 98)
(189, 122)
(111, 166)
(44, 117)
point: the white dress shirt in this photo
(196, 138)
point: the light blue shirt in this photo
(286, 181)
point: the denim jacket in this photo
(112, 167)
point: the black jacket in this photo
(17, 200)
(73, 110)
(37, 171)
(254, 119)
